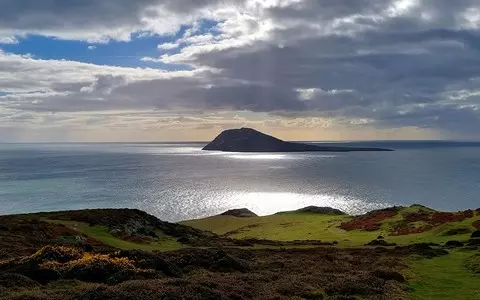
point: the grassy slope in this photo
(445, 278)
(304, 226)
(440, 278)
(102, 234)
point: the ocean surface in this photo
(179, 181)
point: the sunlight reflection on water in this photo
(258, 156)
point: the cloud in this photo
(358, 63)
(168, 46)
(92, 47)
(8, 40)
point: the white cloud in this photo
(168, 46)
(92, 47)
(8, 40)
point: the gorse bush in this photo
(60, 254)
(104, 261)
(92, 267)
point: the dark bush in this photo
(352, 287)
(9, 280)
(380, 243)
(474, 242)
(454, 244)
(59, 254)
(456, 231)
(42, 275)
(387, 274)
(126, 275)
(149, 260)
(210, 259)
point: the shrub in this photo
(387, 274)
(8, 280)
(473, 263)
(91, 267)
(59, 254)
(454, 244)
(352, 287)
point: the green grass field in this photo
(102, 234)
(444, 277)
(306, 226)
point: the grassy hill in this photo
(314, 253)
(401, 225)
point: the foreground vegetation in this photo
(448, 277)
(315, 253)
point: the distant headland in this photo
(251, 140)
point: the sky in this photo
(184, 70)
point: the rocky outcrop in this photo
(239, 212)
(321, 210)
(251, 140)
(380, 243)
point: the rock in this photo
(115, 232)
(251, 140)
(380, 243)
(475, 234)
(380, 237)
(454, 244)
(146, 232)
(80, 239)
(240, 212)
(320, 210)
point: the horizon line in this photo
(179, 142)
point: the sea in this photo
(179, 181)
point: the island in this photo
(251, 140)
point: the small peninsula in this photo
(251, 140)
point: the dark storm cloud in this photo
(96, 20)
(107, 93)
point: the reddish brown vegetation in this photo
(439, 218)
(476, 224)
(415, 222)
(429, 220)
(370, 221)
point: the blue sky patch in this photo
(113, 53)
